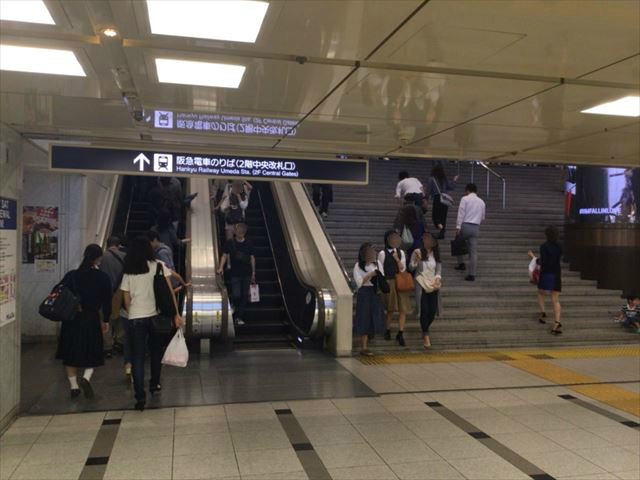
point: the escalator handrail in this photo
(297, 271)
(326, 234)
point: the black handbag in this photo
(163, 322)
(380, 283)
(61, 305)
(459, 246)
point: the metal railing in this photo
(326, 234)
(491, 171)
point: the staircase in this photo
(266, 323)
(499, 309)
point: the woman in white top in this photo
(140, 302)
(368, 305)
(425, 261)
(233, 205)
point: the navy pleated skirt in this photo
(369, 313)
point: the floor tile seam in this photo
(527, 467)
(31, 446)
(515, 387)
(366, 441)
(601, 411)
(543, 369)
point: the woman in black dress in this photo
(438, 185)
(80, 342)
(550, 277)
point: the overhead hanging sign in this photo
(177, 163)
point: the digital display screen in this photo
(602, 194)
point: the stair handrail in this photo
(491, 171)
(326, 234)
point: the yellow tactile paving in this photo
(612, 395)
(489, 355)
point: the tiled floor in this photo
(423, 421)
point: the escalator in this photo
(300, 285)
(266, 322)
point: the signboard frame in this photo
(210, 152)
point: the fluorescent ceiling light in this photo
(624, 107)
(233, 20)
(40, 60)
(32, 11)
(199, 73)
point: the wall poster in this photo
(8, 259)
(39, 234)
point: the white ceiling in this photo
(477, 79)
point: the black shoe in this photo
(400, 339)
(470, 278)
(460, 266)
(387, 335)
(75, 392)
(108, 354)
(139, 406)
(86, 387)
(542, 318)
(155, 388)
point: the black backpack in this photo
(62, 304)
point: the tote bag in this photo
(163, 322)
(61, 305)
(445, 198)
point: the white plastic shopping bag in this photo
(254, 293)
(534, 271)
(177, 353)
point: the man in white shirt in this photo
(409, 189)
(471, 214)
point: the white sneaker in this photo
(240, 322)
(324, 214)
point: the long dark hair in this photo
(139, 253)
(408, 216)
(90, 255)
(552, 234)
(435, 249)
(437, 172)
(362, 263)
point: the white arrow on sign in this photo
(141, 160)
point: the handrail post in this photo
(487, 183)
(504, 194)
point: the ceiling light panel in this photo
(31, 11)
(624, 107)
(40, 60)
(232, 20)
(204, 74)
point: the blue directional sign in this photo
(177, 163)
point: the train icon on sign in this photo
(163, 119)
(163, 162)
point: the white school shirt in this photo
(140, 288)
(383, 254)
(471, 210)
(407, 186)
(358, 274)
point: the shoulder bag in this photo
(445, 198)
(404, 280)
(380, 283)
(62, 304)
(163, 322)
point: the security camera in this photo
(134, 105)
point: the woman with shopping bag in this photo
(425, 261)
(145, 300)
